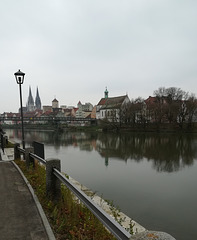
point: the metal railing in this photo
(21, 150)
(64, 119)
(115, 228)
(34, 156)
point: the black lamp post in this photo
(20, 79)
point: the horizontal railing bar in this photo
(118, 231)
(46, 119)
(21, 150)
(38, 158)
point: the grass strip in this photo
(68, 218)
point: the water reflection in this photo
(168, 152)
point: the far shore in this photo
(107, 127)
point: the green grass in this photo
(68, 218)
(9, 145)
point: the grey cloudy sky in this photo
(73, 49)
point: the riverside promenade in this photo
(21, 214)
(22, 217)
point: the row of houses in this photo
(160, 109)
(109, 108)
(106, 107)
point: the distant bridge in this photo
(48, 119)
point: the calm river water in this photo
(151, 177)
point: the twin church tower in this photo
(31, 105)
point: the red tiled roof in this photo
(48, 113)
(102, 101)
(9, 114)
(75, 109)
(113, 102)
(150, 100)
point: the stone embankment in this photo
(140, 233)
(125, 221)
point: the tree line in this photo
(168, 105)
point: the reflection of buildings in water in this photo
(194, 148)
(111, 147)
(106, 161)
(168, 152)
(86, 146)
(14, 134)
(10, 133)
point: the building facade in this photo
(110, 107)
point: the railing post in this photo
(29, 160)
(2, 142)
(5, 141)
(16, 151)
(53, 186)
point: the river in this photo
(151, 177)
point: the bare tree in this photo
(136, 111)
(191, 105)
(160, 92)
(170, 105)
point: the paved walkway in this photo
(21, 215)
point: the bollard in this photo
(16, 151)
(29, 160)
(53, 186)
(5, 141)
(2, 142)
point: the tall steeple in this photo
(37, 100)
(30, 102)
(106, 93)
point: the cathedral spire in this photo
(30, 101)
(37, 100)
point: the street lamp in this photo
(20, 79)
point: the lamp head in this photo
(19, 77)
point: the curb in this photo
(46, 224)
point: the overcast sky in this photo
(73, 49)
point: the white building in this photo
(109, 108)
(83, 110)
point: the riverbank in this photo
(150, 127)
(58, 212)
(68, 218)
(107, 205)
(107, 127)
